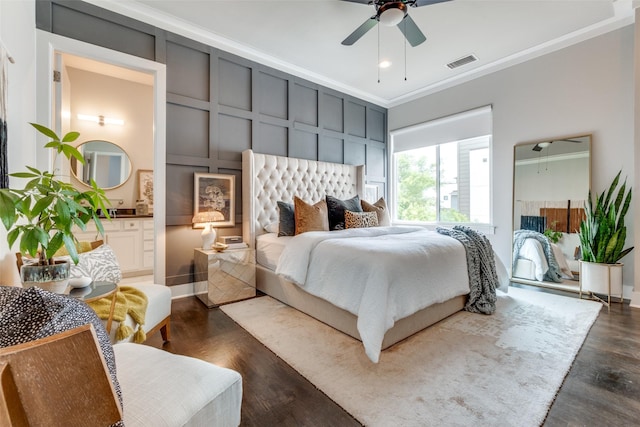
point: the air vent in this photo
(462, 61)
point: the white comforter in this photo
(532, 250)
(379, 274)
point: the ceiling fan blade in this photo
(365, 1)
(360, 31)
(411, 31)
(419, 3)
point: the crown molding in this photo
(623, 15)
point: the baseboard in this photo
(182, 291)
(635, 299)
(187, 289)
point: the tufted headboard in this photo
(267, 179)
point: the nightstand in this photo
(229, 276)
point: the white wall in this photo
(17, 31)
(550, 181)
(98, 94)
(585, 88)
(554, 180)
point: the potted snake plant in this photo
(42, 214)
(602, 239)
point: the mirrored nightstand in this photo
(229, 276)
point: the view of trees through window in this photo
(444, 183)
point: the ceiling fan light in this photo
(544, 144)
(391, 14)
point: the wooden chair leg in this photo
(164, 327)
(165, 330)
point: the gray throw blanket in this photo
(481, 266)
(519, 236)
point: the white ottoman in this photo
(163, 389)
(158, 312)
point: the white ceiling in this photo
(303, 37)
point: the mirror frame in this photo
(514, 201)
(73, 164)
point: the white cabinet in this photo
(147, 243)
(127, 244)
(131, 240)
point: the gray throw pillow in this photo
(287, 224)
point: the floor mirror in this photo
(551, 181)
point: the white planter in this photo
(604, 279)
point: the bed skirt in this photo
(292, 295)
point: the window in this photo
(441, 170)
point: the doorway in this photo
(51, 49)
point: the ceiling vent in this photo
(462, 61)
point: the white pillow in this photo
(274, 227)
(100, 264)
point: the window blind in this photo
(457, 127)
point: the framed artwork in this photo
(145, 187)
(214, 194)
(371, 193)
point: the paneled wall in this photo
(219, 104)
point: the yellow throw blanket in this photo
(129, 300)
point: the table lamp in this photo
(208, 233)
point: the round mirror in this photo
(106, 163)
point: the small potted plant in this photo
(602, 239)
(42, 214)
(553, 235)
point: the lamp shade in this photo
(208, 216)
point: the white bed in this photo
(268, 179)
(532, 264)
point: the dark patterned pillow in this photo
(100, 264)
(32, 313)
(360, 219)
(337, 208)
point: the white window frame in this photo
(442, 137)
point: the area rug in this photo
(469, 369)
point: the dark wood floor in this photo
(602, 388)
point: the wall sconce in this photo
(208, 234)
(101, 120)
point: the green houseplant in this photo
(602, 238)
(42, 214)
(602, 232)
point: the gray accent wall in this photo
(219, 104)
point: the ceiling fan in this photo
(539, 146)
(390, 13)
